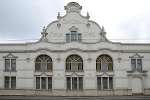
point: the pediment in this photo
(136, 55)
(10, 56)
(43, 75)
(73, 28)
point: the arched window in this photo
(43, 62)
(104, 62)
(74, 63)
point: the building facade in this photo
(73, 57)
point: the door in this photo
(136, 85)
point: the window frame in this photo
(136, 64)
(69, 63)
(10, 82)
(71, 36)
(10, 64)
(99, 63)
(71, 82)
(102, 83)
(46, 83)
(38, 63)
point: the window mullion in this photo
(71, 82)
(77, 83)
(9, 82)
(40, 83)
(101, 82)
(10, 64)
(108, 82)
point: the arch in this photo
(104, 62)
(43, 63)
(74, 63)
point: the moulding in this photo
(10, 56)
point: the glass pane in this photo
(133, 61)
(49, 66)
(7, 66)
(73, 36)
(43, 80)
(37, 66)
(104, 64)
(49, 82)
(110, 83)
(98, 67)
(68, 66)
(99, 82)
(74, 65)
(80, 66)
(110, 66)
(13, 82)
(105, 84)
(43, 65)
(79, 37)
(68, 83)
(6, 82)
(139, 64)
(74, 83)
(13, 60)
(80, 83)
(13, 66)
(67, 37)
(37, 82)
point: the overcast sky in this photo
(122, 19)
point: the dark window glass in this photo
(80, 83)
(139, 64)
(43, 81)
(79, 37)
(7, 64)
(68, 83)
(37, 82)
(99, 82)
(67, 37)
(74, 83)
(133, 64)
(6, 82)
(13, 64)
(110, 83)
(13, 82)
(49, 82)
(105, 84)
(73, 36)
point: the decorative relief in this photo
(56, 34)
(73, 21)
(89, 34)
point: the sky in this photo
(126, 21)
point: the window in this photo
(136, 64)
(104, 82)
(74, 83)
(43, 62)
(10, 64)
(10, 82)
(74, 63)
(74, 36)
(43, 82)
(104, 62)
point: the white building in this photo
(74, 58)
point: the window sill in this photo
(105, 89)
(43, 89)
(10, 71)
(104, 70)
(43, 70)
(74, 71)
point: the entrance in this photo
(136, 85)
